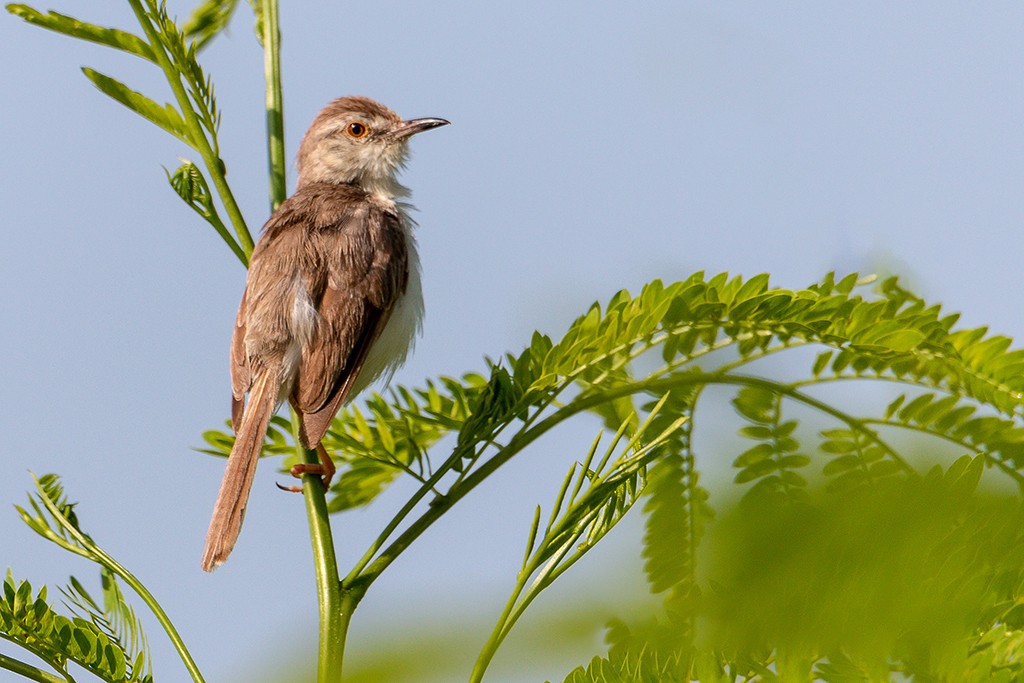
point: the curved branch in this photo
(1014, 474)
(33, 673)
(364, 577)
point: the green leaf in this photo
(56, 639)
(257, 8)
(166, 116)
(756, 471)
(752, 456)
(839, 446)
(793, 461)
(821, 362)
(756, 432)
(111, 37)
(207, 20)
(842, 464)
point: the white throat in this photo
(385, 188)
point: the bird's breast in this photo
(399, 334)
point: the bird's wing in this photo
(365, 260)
(262, 335)
(241, 378)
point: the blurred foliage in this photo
(960, 388)
(916, 576)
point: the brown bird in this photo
(332, 300)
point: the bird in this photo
(332, 298)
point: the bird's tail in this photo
(229, 510)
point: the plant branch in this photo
(197, 136)
(335, 611)
(1001, 464)
(581, 404)
(275, 103)
(32, 673)
(100, 556)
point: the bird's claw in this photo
(325, 468)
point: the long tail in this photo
(229, 510)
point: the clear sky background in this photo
(594, 146)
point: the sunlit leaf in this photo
(111, 37)
(166, 116)
(208, 19)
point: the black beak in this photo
(413, 126)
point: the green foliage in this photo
(208, 19)
(972, 399)
(916, 575)
(905, 575)
(688, 321)
(211, 17)
(116, 618)
(111, 37)
(773, 462)
(194, 119)
(28, 620)
(677, 512)
(120, 646)
(190, 184)
(166, 116)
(593, 498)
(884, 571)
(859, 459)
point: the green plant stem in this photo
(521, 440)
(549, 561)
(335, 607)
(100, 556)
(275, 103)
(158, 612)
(498, 634)
(213, 164)
(515, 608)
(32, 673)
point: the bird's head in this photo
(357, 140)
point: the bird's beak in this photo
(413, 126)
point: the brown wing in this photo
(365, 261)
(262, 331)
(241, 378)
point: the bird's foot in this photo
(325, 468)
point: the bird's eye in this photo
(357, 130)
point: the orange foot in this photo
(325, 468)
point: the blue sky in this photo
(594, 146)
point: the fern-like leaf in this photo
(116, 618)
(28, 620)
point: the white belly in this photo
(399, 334)
(387, 353)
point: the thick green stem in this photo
(30, 672)
(275, 103)
(213, 163)
(335, 608)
